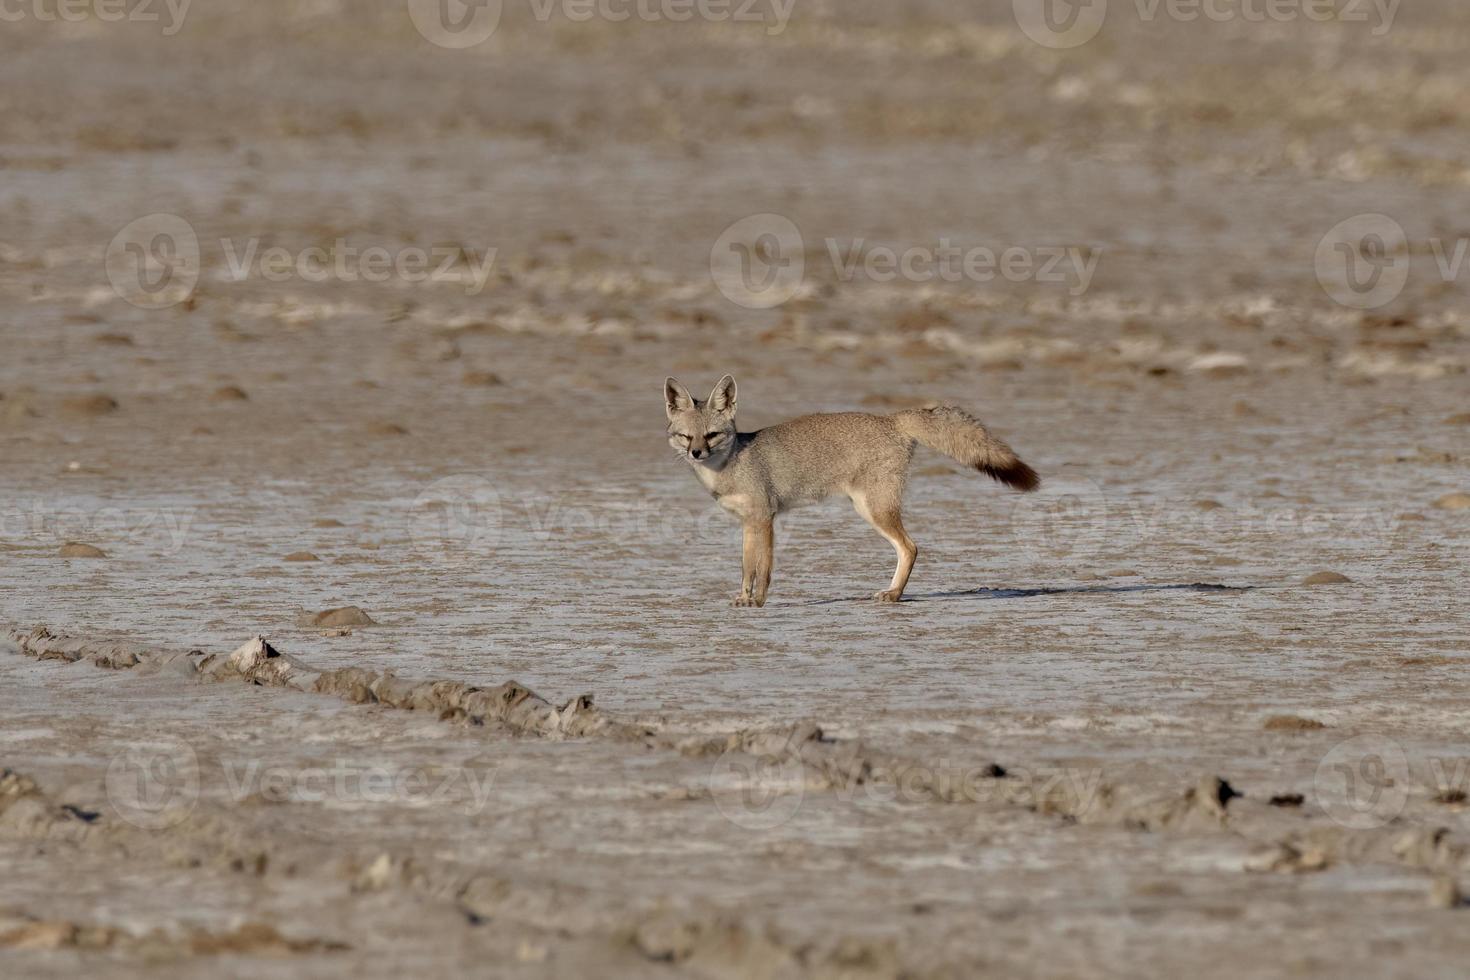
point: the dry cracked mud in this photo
(1193, 709)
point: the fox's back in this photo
(814, 456)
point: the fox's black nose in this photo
(697, 453)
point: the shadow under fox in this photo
(758, 475)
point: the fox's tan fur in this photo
(758, 475)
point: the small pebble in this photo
(1325, 578)
(335, 618)
(74, 549)
(1292, 723)
(89, 405)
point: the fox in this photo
(757, 476)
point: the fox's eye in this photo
(712, 435)
(683, 436)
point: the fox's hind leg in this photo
(883, 512)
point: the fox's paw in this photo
(747, 600)
(888, 595)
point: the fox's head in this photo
(701, 431)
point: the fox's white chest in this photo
(706, 478)
(742, 505)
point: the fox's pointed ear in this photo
(676, 397)
(722, 399)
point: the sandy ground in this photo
(1113, 731)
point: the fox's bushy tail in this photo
(960, 436)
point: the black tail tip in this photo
(1017, 475)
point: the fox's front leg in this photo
(756, 557)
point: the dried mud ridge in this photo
(830, 764)
(510, 707)
(1278, 834)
